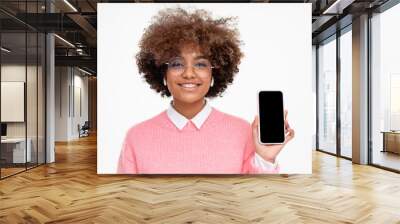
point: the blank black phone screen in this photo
(271, 117)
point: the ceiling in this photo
(76, 22)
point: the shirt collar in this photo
(180, 121)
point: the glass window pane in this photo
(386, 88)
(13, 89)
(327, 97)
(22, 89)
(32, 95)
(32, 84)
(346, 94)
(41, 98)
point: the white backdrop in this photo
(277, 48)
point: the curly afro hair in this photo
(172, 28)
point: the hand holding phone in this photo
(272, 131)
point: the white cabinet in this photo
(18, 149)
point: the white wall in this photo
(80, 84)
(62, 81)
(70, 83)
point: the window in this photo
(327, 96)
(385, 88)
(346, 93)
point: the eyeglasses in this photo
(200, 66)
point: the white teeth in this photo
(189, 85)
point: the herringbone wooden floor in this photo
(70, 191)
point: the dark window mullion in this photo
(37, 90)
(338, 92)
(26, 87)
(317, 95)
(369, 90)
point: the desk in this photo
(16, 147)
(391, 141)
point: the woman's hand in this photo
(269, 152)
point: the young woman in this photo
(191, 57)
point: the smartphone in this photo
(271, 128)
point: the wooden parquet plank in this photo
(70, 191)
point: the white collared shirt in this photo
(180, 121)
(198, 120)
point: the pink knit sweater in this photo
(223, 145)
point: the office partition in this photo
(22, 101)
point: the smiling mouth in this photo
(189, 85)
